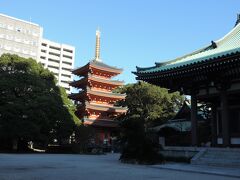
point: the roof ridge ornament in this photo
(238, 20)
(213, 44)
(97, 50)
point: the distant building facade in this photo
(26, 40)
(58, 58)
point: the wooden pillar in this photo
(194, 120)
(214, 125)
(225, 123)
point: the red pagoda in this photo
(95, 98)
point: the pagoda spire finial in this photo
(97, 50)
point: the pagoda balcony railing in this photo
(82, 93)
(96, 79)
(106, 81)
(97, 103)
(105, 93)
(100, 77)
(103, 107)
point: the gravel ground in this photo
(86, 167)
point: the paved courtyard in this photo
(86, 167)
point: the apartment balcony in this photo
(67, 72)
(52, 63)
(53, 57)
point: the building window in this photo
(68, 63)
(42, 50)
(66, 69)
(65, 75)
(18, 29)
(42, 57)
(54, 67)
(53, 60)
(54, 54)
(67, 50)
(66, 56)
(44, 44)
(56, 48)
(64, 81)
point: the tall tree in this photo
(148, 105)
(31, 105)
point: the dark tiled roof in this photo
(101, 64)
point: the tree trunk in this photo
(15, 145)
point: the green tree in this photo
(31, 105)
(151, 104)
(148, 105)
(84, 135)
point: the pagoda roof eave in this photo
(101, 122)
(81, 70)
(97, 65)
(226, 46)
(79, 83)
(105, 108)
(106, 94)
(102, 66)
(77, 96)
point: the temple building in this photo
(211, 76)
(96, 98)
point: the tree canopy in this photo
(148, 105)
(32, 107)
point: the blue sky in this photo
(133, 32)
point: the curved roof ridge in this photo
(143, 68)
(188, 55)
(229, 34)
(227, 45)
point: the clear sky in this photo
(133, 32)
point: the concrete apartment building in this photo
(59, 59)
(26, 39)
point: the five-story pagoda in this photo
(95, 98)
